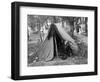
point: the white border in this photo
(24, 70)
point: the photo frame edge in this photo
(15, 43)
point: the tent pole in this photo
(56, 48)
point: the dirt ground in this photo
(80, 58)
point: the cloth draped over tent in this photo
(48, 50)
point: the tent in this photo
(53, 43)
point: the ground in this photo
(80, 58)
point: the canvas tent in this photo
(49, 49)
